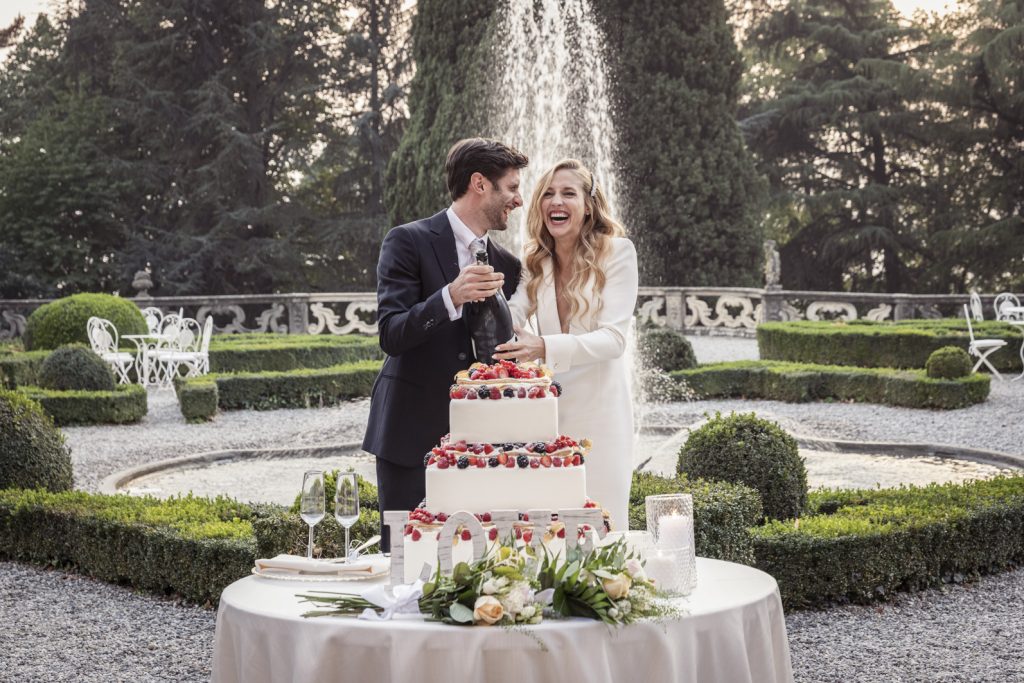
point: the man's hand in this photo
(475, 283)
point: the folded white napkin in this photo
(365, 565)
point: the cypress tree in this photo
(693, 196)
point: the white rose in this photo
(613, 613)
(487, 610)
(635, 569)
(528, 612)
(489, 587)
(617, 587)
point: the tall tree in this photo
(693, 193)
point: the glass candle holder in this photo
(670, 521)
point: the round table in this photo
(733, 631)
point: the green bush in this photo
(282, 352)
(76, 367)
(272, 390)
(194, 547)
(949, 362)
(665, 349)
(744, 449)
(722, 513)
(126, 404)
(861, 546)
(197, 399)
(18, 368)
(32, 450)
(64, 321)
(869, 344)
(795, 382)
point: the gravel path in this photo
(63, 627)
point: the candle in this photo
(663, 569)
(675, 531)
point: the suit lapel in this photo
(444, 246)
(547, 306)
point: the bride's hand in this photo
(527, 347)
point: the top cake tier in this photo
(504, 402)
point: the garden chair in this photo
(182, 346)
(982, 348)
(103, 339)
(198, 363)
(154, 318)
(976, 310)
(1003, 303)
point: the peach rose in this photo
(618, 587)
(487, 610)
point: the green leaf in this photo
(460, 613)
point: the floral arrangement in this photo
(513, 586)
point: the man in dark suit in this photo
(425, 274)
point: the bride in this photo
(578, 292)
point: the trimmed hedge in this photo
(722, 513)
(33, 452)
(949, 362)
(271, 390)
(19, 368)
(282, 352)
(861, 546)
(126, 404)
(64, 321)
(795, 382)
(76, 367)
(197, 400)
(191, 546)
(665, 349)
(869, 344)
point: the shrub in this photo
(32, 450)
(796, 382)
(722, 513)
(194, 547)
(76, 367)
(949, 362)
(282, 352)
(124, 405)
(64, 321)
(861, 546)
(665, 349)
(869, 344)
(17, 369)
(744, 449)
(197, 399)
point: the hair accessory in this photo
(593, 185)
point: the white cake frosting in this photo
(508, 419)
(500, 488)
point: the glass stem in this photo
(346, 545)
(309, 547)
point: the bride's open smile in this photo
(563, 206)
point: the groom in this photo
(426, 273)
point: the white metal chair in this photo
(154, 318)
(1006, 301)
(103, 339)
(982, 348)
(199, 363)
(976, 310)
(182, 347)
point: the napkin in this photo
(368, 565)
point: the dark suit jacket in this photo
(409, 403)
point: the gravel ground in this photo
(63, 627)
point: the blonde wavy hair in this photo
(591, 247)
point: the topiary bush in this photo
(75, 367)
(744, 449)
(665, 349)
(63, 321)
(948, 362)
(32, 450)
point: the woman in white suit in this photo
(578, 293)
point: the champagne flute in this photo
(346, 504)
(312, 505)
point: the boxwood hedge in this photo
(870, 344)
(126, 404)
(860, 546)
(18, 368)
(64, 321)
(796, 382)
(281, 352)
(303, 388)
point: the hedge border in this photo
(126, 404)
(20, 368)
(268, 353)
(304, 388)
(799, 382)
(870, 344)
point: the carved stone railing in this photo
(733, 311)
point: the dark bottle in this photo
(489, 321)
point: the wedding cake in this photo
(504, 452)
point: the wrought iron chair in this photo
(103, 339)
(976, 310)
(198, 363)
(982, 348)
(1006, 301)
(154, 318)
(182, 346)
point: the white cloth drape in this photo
(734, 633)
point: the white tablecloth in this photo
(734, 632)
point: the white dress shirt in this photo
(463, 239)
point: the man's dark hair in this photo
(477, 155)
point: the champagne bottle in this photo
(489, 321)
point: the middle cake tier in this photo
(500, 488)
(506, 419)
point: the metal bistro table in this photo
(145, 345)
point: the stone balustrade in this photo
(732, 311)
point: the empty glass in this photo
(346, 504)
(312, 508)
